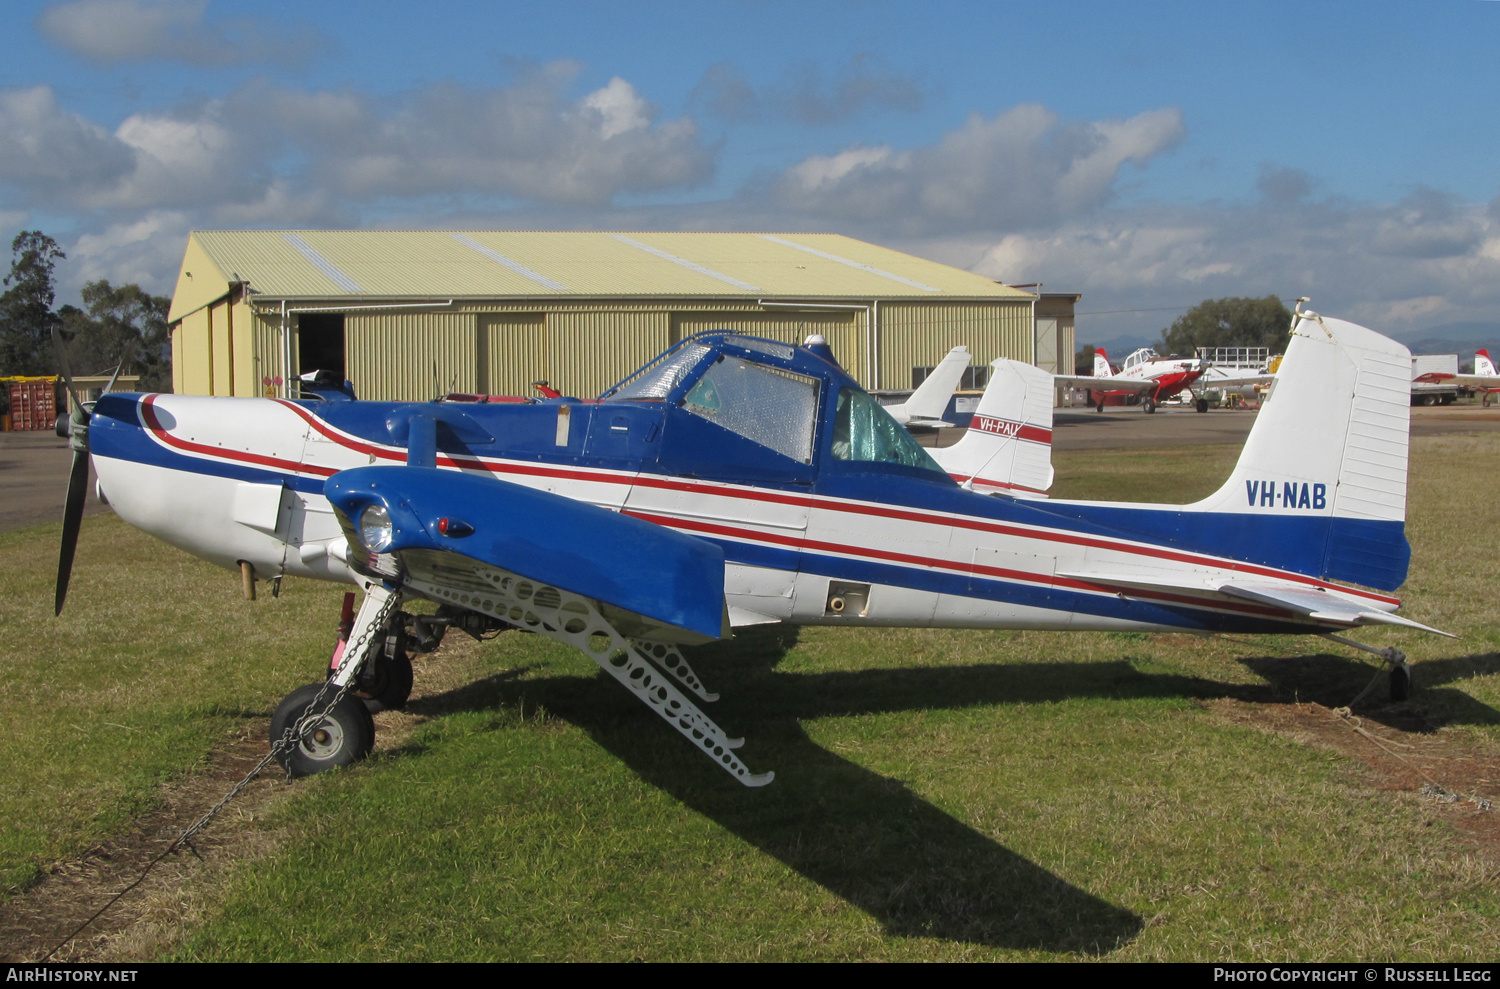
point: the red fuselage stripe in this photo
(767, 496)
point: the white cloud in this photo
(1019, 168)
(52, 151)
(146, 251)
(112, 31)
(620, 107)
(1399, 268)
(524, 142)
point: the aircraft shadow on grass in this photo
(864, 837)
(1334, 681)
(867, 838)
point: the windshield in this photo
(863, 431)
(777, 409)
(657, 380)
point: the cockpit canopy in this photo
(789, 404)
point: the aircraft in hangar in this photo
(736, 481)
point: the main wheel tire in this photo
(1148, 406)
(345, 735)
(1400, 683)
(1201, 405)
(1100, 406)
(387, 685)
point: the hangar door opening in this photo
(841, 327)
(320, 343)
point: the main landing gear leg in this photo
(1395, 659)
(323, 725)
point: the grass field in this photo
(939, 795)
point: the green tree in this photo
(1232, 322)
(1083, 360)
(121, 323)
(26, 316)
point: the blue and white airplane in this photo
(736, 481)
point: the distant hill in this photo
(1454, 338)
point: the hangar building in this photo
(408, 315)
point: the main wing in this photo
(622, 591)
(1110, 384)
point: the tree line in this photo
(118, 323)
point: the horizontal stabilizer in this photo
(456, 527)
(1311, 603)
(1321, 605)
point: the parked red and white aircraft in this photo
(1144, 373)
(1485, 379)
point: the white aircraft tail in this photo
(1101, 364)
(1483, 364)
(928, 403)
(1325, 463)
(1008, 448)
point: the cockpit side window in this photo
(863, 431)
(658, 380)
(775, 408)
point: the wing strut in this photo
(569, 618)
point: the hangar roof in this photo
(490, 264)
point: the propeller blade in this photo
(78, 481)
(62, 363)
(124, 359)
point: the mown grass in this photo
(155, 661)
(939, 794)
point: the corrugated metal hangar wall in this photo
(407, 316)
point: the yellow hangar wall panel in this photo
(512, 353)
(589, 351)
(916, 335)
(199, 282)
(192, 373)
(246, 372)
(178, 363)
(411, 357)
(842, 328)
(267, 371)
(221, 326)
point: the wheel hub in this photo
(324, 741)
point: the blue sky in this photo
(1147, 155)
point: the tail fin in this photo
(1008, 448)
(1330, 443)
(1483, 364)
(930, 399)
(1101, 364)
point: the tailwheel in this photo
(342, 736)
(1401, 681)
